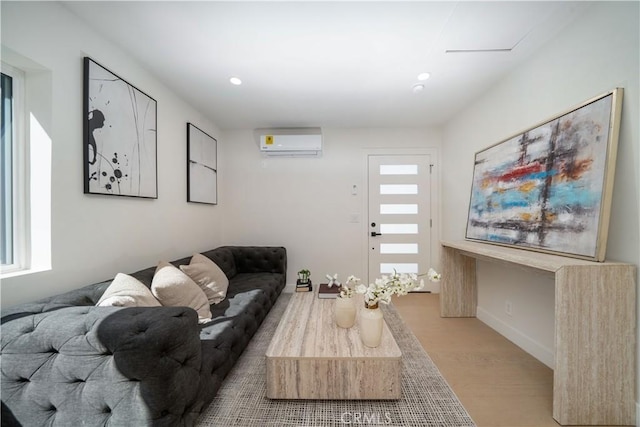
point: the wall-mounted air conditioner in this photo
(274, 144)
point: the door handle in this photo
(374, 234)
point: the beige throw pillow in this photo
(208, 276)
(174, 288)
(127, 291)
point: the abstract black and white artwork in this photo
(120, 144)
(549, 188)
(202, 167)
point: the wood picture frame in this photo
(202, 166)
(549, 188)
(120, 139)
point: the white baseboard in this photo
(289, 288)
(531, 346)
(637, 414)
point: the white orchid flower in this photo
(370, 296)
(346, 292)
(433, 275)
(352, 279)
(384, 287)
(361, 288)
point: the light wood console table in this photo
(595, 326)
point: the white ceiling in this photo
(327, 64)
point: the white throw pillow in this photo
(127, 291)
(123, 301)
(208, 276)
(174, 288)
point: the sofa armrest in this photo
(260, 259)
(101, 365)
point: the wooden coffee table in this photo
(310, 357)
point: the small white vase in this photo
(370, 323)
(344, 311)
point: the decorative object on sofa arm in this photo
(381, 291)
(344, 308)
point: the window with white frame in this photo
(13, 174)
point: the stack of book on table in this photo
(324, 291)
(303, 287)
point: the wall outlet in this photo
(508, 308)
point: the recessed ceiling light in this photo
(235, 81)
(423, 76)
(417, 88)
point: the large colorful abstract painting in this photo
(549, 188)
(119, 136)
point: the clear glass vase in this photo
(370, 324)
(344, 311)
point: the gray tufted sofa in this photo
(66, 362)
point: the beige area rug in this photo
(427, 399)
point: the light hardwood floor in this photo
(498, 383)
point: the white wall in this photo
(596, 53)
(305, 204)
(94, 237)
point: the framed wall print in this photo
(549, 188)
(202, 167)
(120, 141)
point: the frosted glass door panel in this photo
(398, 169)
(398, 209)
(399, 229)
(398, 248)
(398, 189)
(400, 267)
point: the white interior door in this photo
(399, 220)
